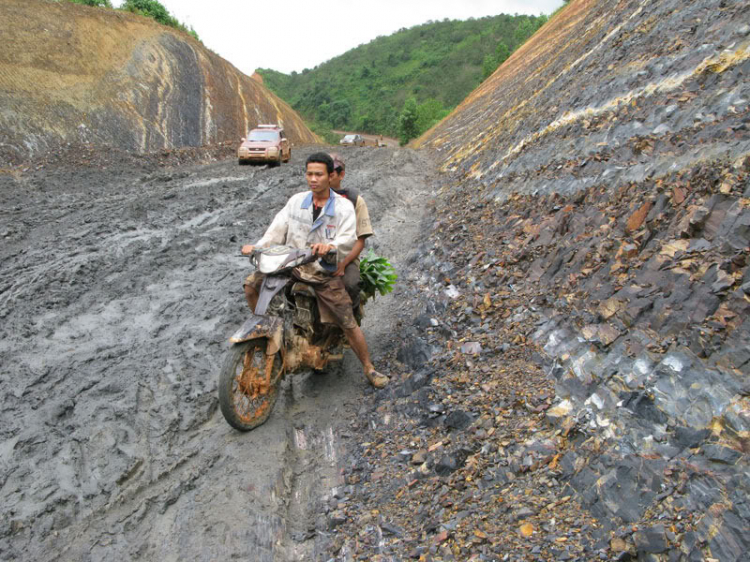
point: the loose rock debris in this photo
(575, 347)
(597, 196)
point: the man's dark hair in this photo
(322, 158)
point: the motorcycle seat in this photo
(303, 289)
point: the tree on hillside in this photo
(429, 114)
(407, 121)
(150, 8)
(155, 10)
(525, 29)
(339, 113)
(502, 52)
(492, 61)
(488, 65)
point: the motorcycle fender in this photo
(269, 327)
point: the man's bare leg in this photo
(356, 340)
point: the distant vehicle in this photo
(267, 144)
(353, 140)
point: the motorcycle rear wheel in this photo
(246, 397)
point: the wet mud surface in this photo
(120, 282)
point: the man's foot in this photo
(376, 379)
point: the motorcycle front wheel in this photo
(249, 384)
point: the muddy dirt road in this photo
(372, 140)
(118, 290)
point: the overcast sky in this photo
(288, 35)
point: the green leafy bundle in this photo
(378, 276)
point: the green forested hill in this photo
(436, 64)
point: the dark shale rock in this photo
(390, 529)
(688, 437)
(415, 382)
(446, 465)
(336, 518)
(450, 462)
(458, 419)
(651, 540)
(719, 453)
(415, 353)
(726, 535)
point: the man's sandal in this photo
(376, 379)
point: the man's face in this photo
(318, 179)
(336, 177)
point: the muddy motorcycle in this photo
(284, 335)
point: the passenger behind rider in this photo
(348, 268)
(322, 220)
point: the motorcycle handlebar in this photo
(327, 260)
(256, 251)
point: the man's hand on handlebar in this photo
(321, 249)
(247, 249)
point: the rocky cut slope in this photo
(598, 182)
(74, 74)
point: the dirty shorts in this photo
(334, 304)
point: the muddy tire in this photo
(245, 397)
(289, 156)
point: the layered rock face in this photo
(601, 177)
(74, 74)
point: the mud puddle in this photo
(118, 289)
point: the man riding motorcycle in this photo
(322, 220)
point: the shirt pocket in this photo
(330, 231)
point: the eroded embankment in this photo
(592, 237)
(638, 332)
(81, 75)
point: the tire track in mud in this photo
(115, 318)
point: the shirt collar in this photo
(330, 205)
